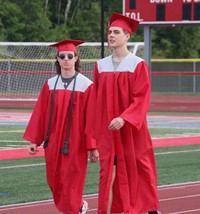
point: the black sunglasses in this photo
(69, 56)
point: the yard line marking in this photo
(171, 122)
(176, 152)
(12, 131)
(13, 141)
(21, 166)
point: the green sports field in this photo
(23, 180)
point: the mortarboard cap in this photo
(67, 45)
(119, 20)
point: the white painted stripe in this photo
(22, 166)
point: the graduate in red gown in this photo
(128, 181)
(62, 117)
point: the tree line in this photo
(54, 20)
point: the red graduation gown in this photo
(125, 93)
(65, 173)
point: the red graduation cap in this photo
(119, 20)
(67, 45)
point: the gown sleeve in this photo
(36, 128)
(135, 114)
(89, 118)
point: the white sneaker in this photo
(84, 208)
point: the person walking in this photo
(62, 119)
(128, 182)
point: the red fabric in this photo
(67, 45)
(65, 173)
(125, 22)
(125, 94)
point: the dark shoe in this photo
(154, 212)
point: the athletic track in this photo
(174, 199)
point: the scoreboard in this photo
(155, 11)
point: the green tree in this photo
(11, 25)
(37, 24)
(53, 20)
(175, 42)
(58, 33)
(86, 25)
(24, 20)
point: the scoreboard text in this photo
(162, 10)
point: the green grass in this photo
(11, 132)
(17, 110)
(24, 180)
(12, 135)
(172, 132)
(178, 164)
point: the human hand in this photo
(94, 155)
(116, 123)
(33, 149)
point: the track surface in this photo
(174, 199)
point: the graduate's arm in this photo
(116, 124)
(90, 114)
(94, 155)
(35, 130)
(88, 104)
(96, 79)
(90, 118)
(135, 114)
(33, 149)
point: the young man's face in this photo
(67, 59)
(117, 37)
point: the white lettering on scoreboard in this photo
(161, 1)
(190, 1)
(189, 9)
(172, 1)
(134, 15)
